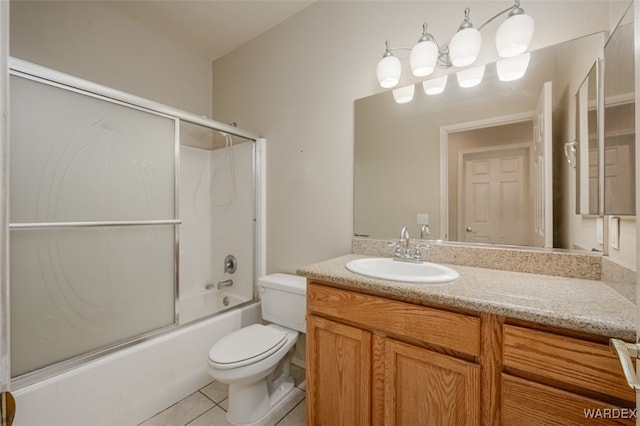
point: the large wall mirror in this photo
(619, 121)
(586, 154)
(476, 162)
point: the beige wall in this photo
(90, 40)
(296, 85)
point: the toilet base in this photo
(251, 403)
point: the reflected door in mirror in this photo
(494, 196)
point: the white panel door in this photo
(495, 197)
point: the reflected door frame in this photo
(444, 156)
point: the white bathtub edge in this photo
(131, 385)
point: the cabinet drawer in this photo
(578, 363)
(529, 403)
(449, 330)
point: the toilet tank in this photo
(284, 301)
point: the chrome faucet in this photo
(225, 283)
(424, 231)
(404, 235)
(403, 248)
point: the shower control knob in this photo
(230, 264)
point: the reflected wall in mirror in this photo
(619, 121)
(421, 157)
(589, 173)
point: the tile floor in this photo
(208, 407)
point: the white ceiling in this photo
(211, 28)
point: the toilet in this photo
(254, 361)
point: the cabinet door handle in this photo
(625, 351)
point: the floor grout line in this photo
(196, 418)
(219, 405)
(290, 411)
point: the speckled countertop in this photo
(571, 303)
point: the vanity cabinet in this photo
(375, 360)
(372, 360)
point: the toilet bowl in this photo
(255, 360)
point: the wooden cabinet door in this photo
(338, 372)
(423, 387)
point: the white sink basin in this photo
(385, 268)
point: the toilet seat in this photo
(246, 346)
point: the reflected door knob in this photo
(470, 230)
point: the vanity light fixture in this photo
(404, 94)
(510, 69)
(512, 38)
(514, 35)
(389, 69)
(435, 86)
(470, 77)
(465, 43)
(424, 55)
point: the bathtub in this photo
(133, 384)
(203, 303)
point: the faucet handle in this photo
(396, 245)
(417, 254)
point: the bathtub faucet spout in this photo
(225, 283)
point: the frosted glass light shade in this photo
(470, 77)
(402, 95)
(510, 69)
(514, 35)
(388, 71)
(435, 86)
(464, 47)
(423, 58)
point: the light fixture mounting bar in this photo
(516, 6)
(512, 38)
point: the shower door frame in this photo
(44, 75)
(5, 375)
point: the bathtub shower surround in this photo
(217, 213)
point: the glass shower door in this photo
(93, 222)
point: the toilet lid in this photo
(246, 346)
